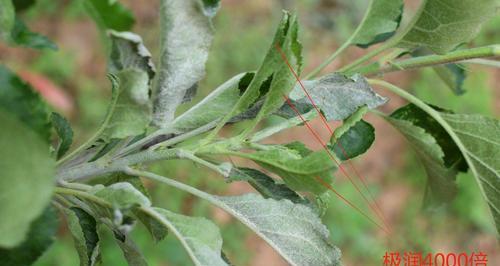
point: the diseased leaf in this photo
(479, 143)
(18, 98)
(121, 195)
(267, 186)
(293, 230)
(380, 22)
(272, 73)
(110, 14)
(442, 25)
(132, 112)
(41, 235)
(185, 36)
(26, 167)
(453, 75)
(128, 52)
(23, 36)
(7, 19)
(64, 132)
(199, 236)
(83, 228)
(338, 96)
(299, 171)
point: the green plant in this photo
(97, 184)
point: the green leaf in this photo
(418, 117)
(338, 96)
(41, 235)
(27, 178)
(453, 75)
(23, 36)
(283, 79)
(273, 79)
(7, 19)
(64, 131)
(293, 230)
(186, 33)
(299, 171)
(18, 98)
(265, 185)
(475, 138)
(479, 143)
(441, 186)
(122, 195)
(442, 25)
(199, 236)
(83, 228)
(128, 52)
(353, 138)
(21, 5)
(215, 105)
(110, 14)
(436, 150)
(132, 112)
(157, 231)
(380, 22)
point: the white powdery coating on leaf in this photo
(293, 230)
(131, 53)
(338, 96)
(185, 39)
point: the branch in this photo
(99, 167)
(432, 60)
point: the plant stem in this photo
(330, 59)
(185, 136)
(92, 169)
(484, 62)
(77, 186)
(172, 183)
(392, 42)
(431, 60)
(145, 140)
(387, 45)
(344, 46)
(190, 156)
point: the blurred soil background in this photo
(73, 80)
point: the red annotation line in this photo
(377, 210)
(338, 164)
(349, 203)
